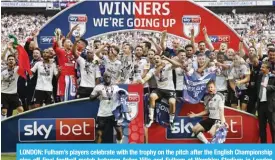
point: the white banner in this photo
(265, 3)
(239, 3)
(25, 4)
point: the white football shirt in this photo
(214, 104)
(239, 73)
(45, 73)
(179, 78)
(165, 78)
(9, 80)
(113, 68)
(139, 68)
(89, 72)
(107, 99)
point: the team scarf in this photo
(122, 111)
(220, 135)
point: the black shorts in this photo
(152, 89)
(104, 123)
(179, 93)
(84, 92)
(10, 101)
(167, 94)
(41, 97)
(146, 90)
(208, 123)
(244, 98)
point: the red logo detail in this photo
(133, 97)
(224, 38)
(82, 19)
(196, 20)
(235, 127)
(75, 129)
(220, 38)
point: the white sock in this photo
(3, 117)
(171, 118)
(151, 113)
(202, 138)
(119, 141)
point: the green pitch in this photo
(8, 157)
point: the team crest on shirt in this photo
(81, 20)
(189, 22)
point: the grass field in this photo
(8, 157)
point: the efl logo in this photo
(221, 38)
(184, 125)
(133, 100)
(60, 129)
(187, 19)
(190, 22)
(77, 18)
(46, 39)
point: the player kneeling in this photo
(214, 106)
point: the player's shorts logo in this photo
(189, 22)
(81, 20)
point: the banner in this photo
(142, 17)
(228, 4)
(194, 88)
(242, 127)
(145, 152)
(25, 4)
(70, 122)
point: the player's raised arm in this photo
(69, 35)
(74, 50)
(207, 40)
(173, 62)
(163, 37)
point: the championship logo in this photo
(191, 22)
(133, 100)
(80, 20)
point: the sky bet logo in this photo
(219, 39)
(187, 19)
(184, 125)
(60, 129)
(46, 39)
(77, 18)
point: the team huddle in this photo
(78, 70)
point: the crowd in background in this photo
(75, 65)
(21, 25)
(249, 25)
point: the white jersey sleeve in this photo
(150, 73)
(80, 61)
(55, 70)
(35, 67)
(96, 90)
